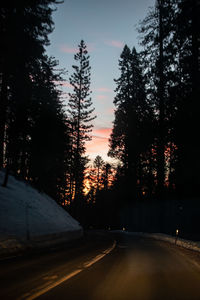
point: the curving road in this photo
(100, 269)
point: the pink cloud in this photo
(90, 47)
(102, 132)
(67, 84)
(101, 97)
(73, 50)
(99, 144)
(67, 49)
(115, 43)
(64, 83)
(110, 111)
(104, 89)
(100, 136)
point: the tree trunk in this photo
(161, 158)
(161, 146)
(3, 104)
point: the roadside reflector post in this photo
(176, 238)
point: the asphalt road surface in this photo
(103, 267)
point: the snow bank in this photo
(26, 213)
(195, 246)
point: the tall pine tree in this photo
(129, 137)
(80, 115)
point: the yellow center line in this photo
(52, 285)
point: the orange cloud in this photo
(102, 132)
(99, 143)
(97, 146)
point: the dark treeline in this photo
(155, 187)
(40, 140)
(32, 128)
(155, 133)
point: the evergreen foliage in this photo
(33, 131)
(173, 88)
(155, 138)
(80, 114)
(130, 136)
(156, 126)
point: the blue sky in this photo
(105, 26)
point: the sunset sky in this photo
(105, 26)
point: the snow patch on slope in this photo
(23, 209)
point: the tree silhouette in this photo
(98, 164)
(33, 130)
(130, 137)
(24, 34)
(80, 114)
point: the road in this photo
(104, 268)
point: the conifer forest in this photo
(155, 184)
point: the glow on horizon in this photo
(99, 143)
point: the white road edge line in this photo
(70, 275)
